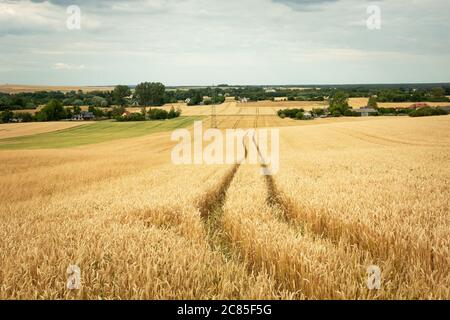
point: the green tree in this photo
(372, 102)
(53, 111)
(196, 98)
(172, 113)
(76, 110)
(338, 103)
(25, 116)
(120, 93)
(6, 116)
(77, 103)
(96, 111)
(117, 112)
(150, 93)
(438, 92)
(99, 102)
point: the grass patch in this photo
(94, 133)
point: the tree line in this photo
(144, 94)
(156, 94)
(339, 106)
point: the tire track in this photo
(274, 199)
(255, 124)
(211, 212)
(237, 123)
(366, 241)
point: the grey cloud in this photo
(66, 3)
(303, 4)
(235, 41)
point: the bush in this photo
(116, 112)
(158, 114)
(173, 113)
(25, 116)
(6, 116)
(290, 113)
(427, 112)
(336, 114)
(350, 113)
(137, 116)
(299, 115)
(318, 112)
(383, 111)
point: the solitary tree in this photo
(372, 102)
(52, 111)
(120, 93)
(338, 103)
(150, 93)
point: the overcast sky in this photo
(186, 42)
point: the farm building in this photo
(280, 99)
(447, 109)
(307, 115)
(84, 115)
(365, 112)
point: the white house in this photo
(365, 111)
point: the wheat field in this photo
(357, 103)
(349, 194)
(11, 130)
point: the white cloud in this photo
(66, 66)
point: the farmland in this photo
(82, 133)
(350, 193)
(16, 88)
(362, 102)
(12, 130)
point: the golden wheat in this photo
(348, 195)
